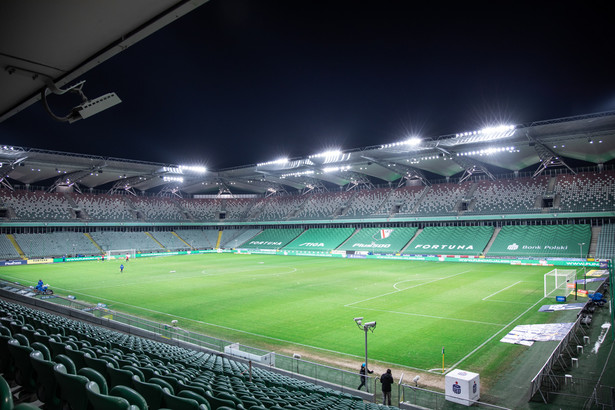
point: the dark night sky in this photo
(237, 82)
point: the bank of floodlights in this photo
(410, 142)
(489, 133)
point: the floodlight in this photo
(279, 161)
(86, 109)
(414, 141)
(193, 168)
(172, 179)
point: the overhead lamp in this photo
(193, 168)
(86, 109)
(172, 179)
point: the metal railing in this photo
(545, 376)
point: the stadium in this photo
(481, 253)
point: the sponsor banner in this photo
(372, 245)
(12, 263)
(444, 247)
(580, 292)
(41, 260)
(267, 243)
(515, 247)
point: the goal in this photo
(556, 282)
(121, 253)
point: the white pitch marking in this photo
(434, 317)
(495, 334)
(502, 290)
(400, 290)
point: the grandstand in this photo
(378, 240)
(386, 204)
(451, 240)
(271, 239)
(69, 355)
(542, 241)
(320, 239)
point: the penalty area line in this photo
(502, 290)
(454, 366)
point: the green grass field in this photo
(307, 304)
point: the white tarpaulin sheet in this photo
(528, 334)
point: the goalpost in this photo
(556, 282)
(121, 253)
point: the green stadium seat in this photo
(162, 383)
(46, 390)
(69, 365)
(195, 396)
(133, 397)
(24, 375)
(100, 401)
(7, 366)
(94, 376)
(216, 402)
(75, 355)
(71, 388)
(180, 403)
(119, 376)
(6, 397)
(57, 347)
(99, 365)
(151, 392)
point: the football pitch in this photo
(307, 304)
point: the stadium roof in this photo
(587, 139)
(44, 42)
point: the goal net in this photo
(556, 282)
(121, 253)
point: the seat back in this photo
(99, 401)
(216, 402)
(46, 389)
(162, 383)
(42, 348)
(135, 371)
(171, 401)
(67, 362)
(151, 392)
(119, 377)
(100, 365)
(133, 397)
(95, 376)
(6, 398)
(56, 347)
(75, 355)
(187, 394)
(71, 388)
(24, 375)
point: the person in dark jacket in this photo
(363, 377)
(386, 380)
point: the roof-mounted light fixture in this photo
(86, 109)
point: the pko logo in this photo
(513, 247)
(456, 388)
